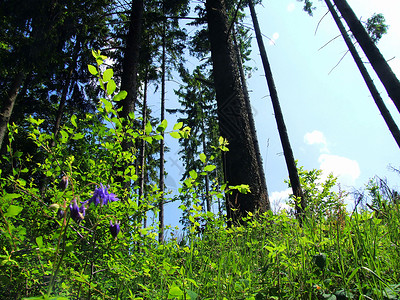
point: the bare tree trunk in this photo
(287, 149)
(130, 64)
(142, 158)
(8, 104)
(161, 183)
(249, 110)
(368, 80)
(206, 179)
(129, 78)
(378, 62)
(240, 163)
(64, 93)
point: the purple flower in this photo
(77, 213)
(114, 229)
(102, 196)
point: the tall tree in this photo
(287, 149)
(368, 80)
(378, 62)
(162, 175)
(240, 163)
(130, 64)
(367, 43)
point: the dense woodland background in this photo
(83, 161)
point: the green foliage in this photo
(48, 250)
(376, 27)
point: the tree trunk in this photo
(378, 62)
(249, 110)
(129, 77)
(287, 149)
(161, 183)
(240, 163)
(206, 179)
(65, 90)
(142, 158)
(8, 104)
(130, 64)
(368, 80)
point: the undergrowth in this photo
(83, 236)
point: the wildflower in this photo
(63, 183)
(102, 196)
(77, 213)
(114, 229)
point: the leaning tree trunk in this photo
(378, 62)
(368, 80)
(8, 104)
(240, 163)
(287, 149)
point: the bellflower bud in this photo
(114, 229)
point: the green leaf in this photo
(175, 135)
(108, 74)
(39, 241)
(178, 126)
(92, 70)
(13, 211)
(73, 121)
(175, 292)
(111, 86)
(162, 126)
(193, 174)
(192, 295)
(120, 96)
(148, 128)
(64, 136)
(158, 137)
(11, 196)
(209, 168)
(203, 157)
(78, 136)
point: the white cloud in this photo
(347, 170)
(291, 6)
(278, 200)
(316, 138)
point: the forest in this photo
(84, 159)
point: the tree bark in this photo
(64, 92)
(130, 64)
(142, 158)
(287, 149)
(161, 182)
(8, 104)
(378, 62)
(368, 80)
(240, 163)
(249, 110)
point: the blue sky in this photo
(332, 120)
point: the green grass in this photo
(273, 258)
